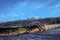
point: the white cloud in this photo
(10, 15)
(16, 15)
(42, 5)
(36, 17)
(21, 5)
(2, 16)
(22, 14)
(37, 7)
(57, 5)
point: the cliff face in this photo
(55, 20)
(36, 24)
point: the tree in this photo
(54, 21)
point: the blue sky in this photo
(22, 9)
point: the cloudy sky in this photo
(22, 9)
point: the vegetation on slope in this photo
(28, 25)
